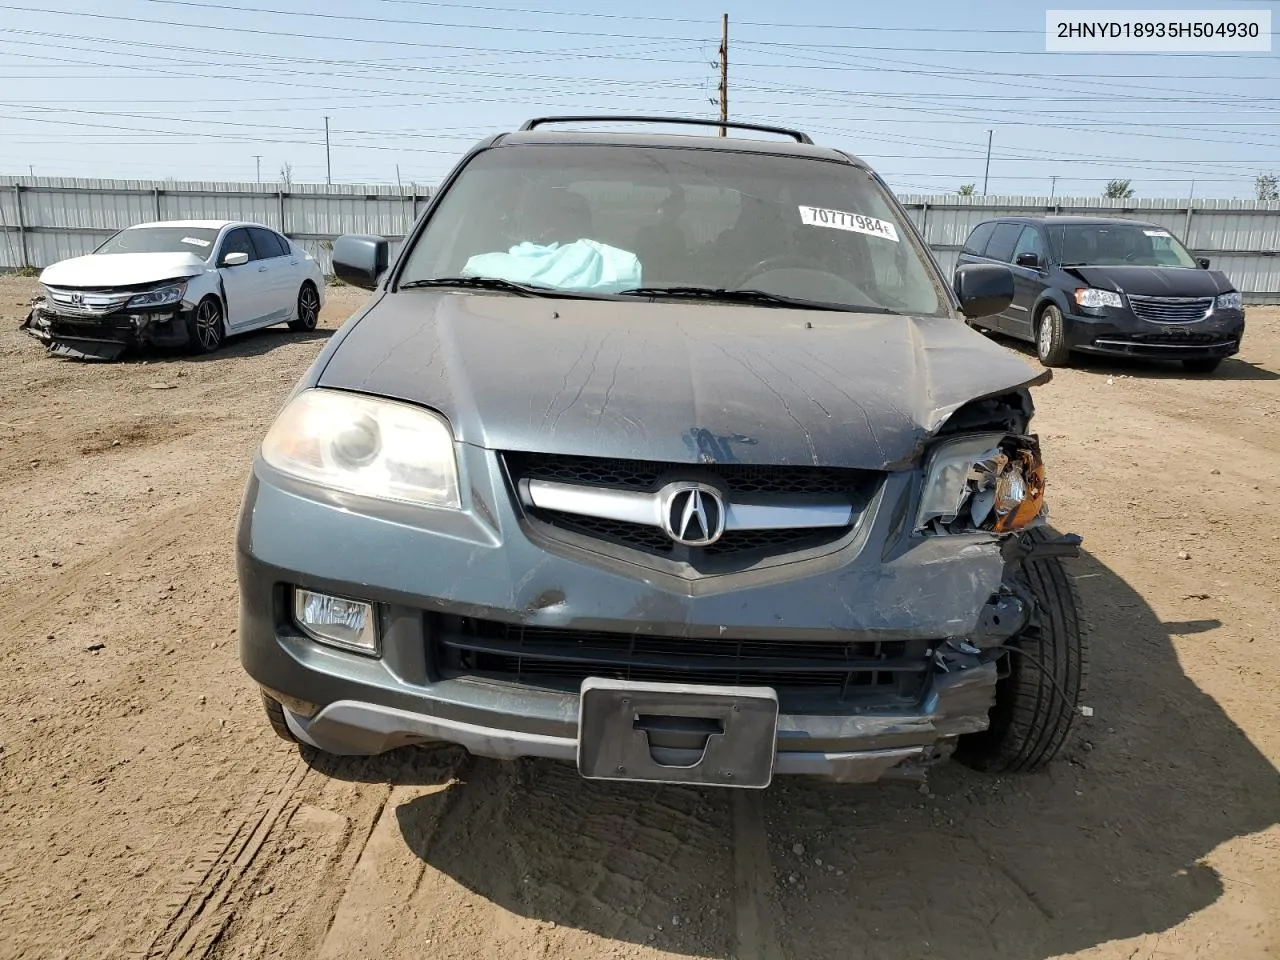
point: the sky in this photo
(207, 90)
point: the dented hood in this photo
(121, 269)
(672, 381)
(1155, 281)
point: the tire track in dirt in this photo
(208, 906)
(755, 927)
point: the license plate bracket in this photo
(677, 733)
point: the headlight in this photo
(1230, 301)
(1092, 297)
(982, 482)
(358, 444)
(159, 297)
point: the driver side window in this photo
(237, 241)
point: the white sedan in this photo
(186, 283)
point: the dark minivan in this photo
(1109, 286)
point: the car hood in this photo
(121, 269)
(1155, 281)
(688, 383)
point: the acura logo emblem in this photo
(693, 514)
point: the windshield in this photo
(196, 240)
(1118, 244)
(608, 219)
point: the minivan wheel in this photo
(1039, 698)
(308, 309)
(1051, 340)
(275, 716)
(1202, 364)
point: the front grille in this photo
(802, 672)
(758, 482)
(640, 536)
(644, 475)
(1189, 338)
(1171, 309)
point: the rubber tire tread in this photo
(1060, 354)
(1030, 722)
(275, 716)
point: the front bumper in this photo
(107, 336)
(485, 563)
(1119, 333)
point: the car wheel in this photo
(308, 309)
(1038, 700)
(1202, 364)
(1051, 340)
(275, 716)
(207, 330)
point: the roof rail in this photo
(796, 135)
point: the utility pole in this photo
(328, 170)
(31, 169)
(987, 171)
(258, 160)
(1053, 187)
(724, 74)
(398, 187)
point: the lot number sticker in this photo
(196, 240)
(843, 220)
(1156, 233)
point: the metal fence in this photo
(46, 219)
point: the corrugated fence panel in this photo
(65, 217)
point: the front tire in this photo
(1051, 338)
(308, 309)
(1202, 364)
(207, 329)
(1031, 718)
(274, 710)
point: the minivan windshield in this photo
(1117, 244)
(196, 240)
(610, 219)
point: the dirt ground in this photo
(146, 810)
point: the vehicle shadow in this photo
(1232, 368)
(1111, 842)
(255, 343)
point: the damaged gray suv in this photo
(672, 457)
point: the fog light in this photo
(339, 622)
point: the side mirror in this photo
(1031, 260)
(360, 260)
(983, 289)
(235, 259)
(1204, 263)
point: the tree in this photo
(1119, 190)
(966, 189)
(1268, 186)
(286, 173)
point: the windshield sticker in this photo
(842, 220)
(196, 240)
(1156, 233)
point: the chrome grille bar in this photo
(801, 511)
(1172, 309)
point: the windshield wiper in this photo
(482, 283)
(747, 296)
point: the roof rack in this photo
(796, 135)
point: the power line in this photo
(293, 35)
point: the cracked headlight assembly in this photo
(989, 482)
(170, 293)
(363, 445)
